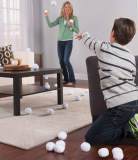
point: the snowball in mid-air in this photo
(85, 147)
(35, 66)
(70, 92)
(53, 3)
(86, 90)
(62, 135)
(55, 85)
(50, 146)
(59, 148)
(28, 111)
(103, 152)
(50, 111)
(83, 93)
(61, 142)
(47, 86)
(65, 105)
(78, 98)
(46, 77)
(14, 62)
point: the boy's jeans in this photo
(112, 127)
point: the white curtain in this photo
(16, 24)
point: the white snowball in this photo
(59, 148)
(28, 49)
(50, 146)
(55, 85)
(47, 86)
(28, 110)
(62, 135)
(60, 142)
(103, 152)
(118, 156)
(53, 3)
(46, 83)
(71, 20)
(116, 149)
(50, 111)
(35, 66)
(78, 98)
(83, 93)
(45, 11)
(14, 62)
(86, 90)
(65, 105)
(46, 77)
(70, 92)
(85, 147)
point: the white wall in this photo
(96, 17)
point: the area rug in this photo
(29, 131)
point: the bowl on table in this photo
(17, 59)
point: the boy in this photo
(117, 70)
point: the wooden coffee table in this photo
(17, 90)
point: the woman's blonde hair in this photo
(62, 14)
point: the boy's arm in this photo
(53, 24)
(75, 26)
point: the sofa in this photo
(28, 59)
(97, 103)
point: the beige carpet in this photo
(28, 131)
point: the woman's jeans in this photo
(64, 53)
(112, 127)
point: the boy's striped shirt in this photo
(117, 71)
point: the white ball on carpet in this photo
(50, 146)
(103, 152)
(70, 92)
(60, 142)
(14, 62)
(86, 90)
(78, 98)
(47, 86)
(71, 20)
(55, 85)
(116, 149)
(28, 110)
(59, 148)
(118, 156)
(62, 135)
(35, 66)
(65, 105)
(46, 77)
(53, 3)
(83, 93)
(50, 111)
(45, 11)
(85, 147)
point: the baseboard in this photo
(77, 76)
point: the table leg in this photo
(16, 96)
(21, 87)
(41, 80)
(60, 90)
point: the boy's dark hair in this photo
(124, 29)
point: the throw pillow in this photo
(5, 55)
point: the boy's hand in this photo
(46, 14)
(79, 36)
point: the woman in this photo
(68, 23)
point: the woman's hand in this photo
(46, 14)
(70, 24)
(79, 36)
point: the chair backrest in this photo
(97, 103)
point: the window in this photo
(11, 23)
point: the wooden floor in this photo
(73, 142)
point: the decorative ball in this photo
(59, 148)
(62, 135)
(14, 62)
(55, 85)
(83, 93)
(53, 3)
(86, 90)
(116, 149)
(71, 20)
(85, 147)
(118, 156)
(65, 105)
(70, 92)
(50, 146)
(47, 86)
(46, 77)
(45, 11)
(50, 111)
(35, 66)
(28, 111)
(103, 152)
(78, 98)
(60, 142)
